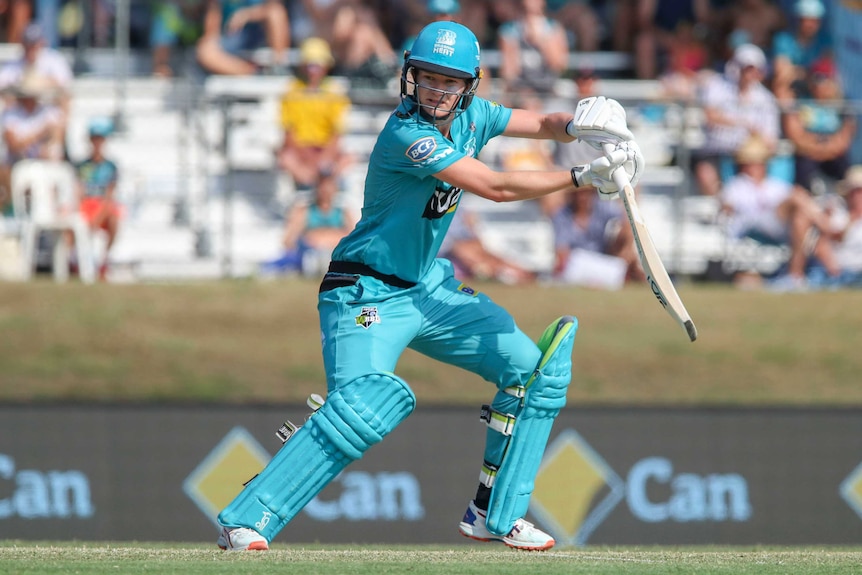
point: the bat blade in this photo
(657, 277)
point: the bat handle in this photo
(620, 177)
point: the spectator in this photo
(311, 18)
(313, 115)
(16, 15)
(360, 46)
(794, 51)
(479, 16)
(754, 22)
(656, 24)
(174, 23)
(48, 17)
(534, 51)
(232, 28)
(38, 58)
(687, 62)
(312, 229)
(775, 212)
(581, 20)
(594, 245)
(102, 16)
(97, 184)
(621, 17)
(471, 258)
(821, 133)
(736, 105)
(31, 129)
(848, 248)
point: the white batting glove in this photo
(599, 120)
(634, 163)
(598, 174)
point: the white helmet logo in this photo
(445, 43)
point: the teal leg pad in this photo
(353, 418)
(544, 397)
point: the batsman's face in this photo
(438, 94)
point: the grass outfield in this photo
(247, 341)
(153, 558)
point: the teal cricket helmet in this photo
(446, 48)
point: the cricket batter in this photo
(386, 291)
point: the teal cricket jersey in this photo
(406, 210)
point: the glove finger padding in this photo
(634, 164)
(599, 120)
(598, 173)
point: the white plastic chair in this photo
(44, 200)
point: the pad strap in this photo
(497, 420)
(515, 391)
(488, 474)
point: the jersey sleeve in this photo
(496, 117)
(421, 152)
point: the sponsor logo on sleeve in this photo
(438, 156)
(421, 148)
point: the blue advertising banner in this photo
(609, 476)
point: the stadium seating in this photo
(204, 198)
(175, 168)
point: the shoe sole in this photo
(544, 547)
(508, 543)
(256, 546)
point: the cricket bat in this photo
(656, 274)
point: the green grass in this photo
(129, 559)
(246, 341)
(259, 342)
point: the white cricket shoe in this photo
(524, 535)
(241, 539)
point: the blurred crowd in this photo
(367, 37)
(763, 72)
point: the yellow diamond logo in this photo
(851, 490)
(220, 477)
(575, 489)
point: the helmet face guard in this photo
(445, 48)
(410, 87)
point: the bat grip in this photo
(620, 177)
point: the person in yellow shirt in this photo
(314, 111)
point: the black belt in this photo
(364, 270)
